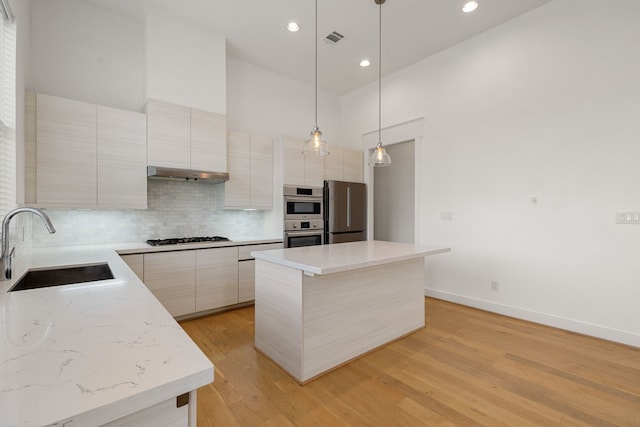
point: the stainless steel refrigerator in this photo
(345, 211)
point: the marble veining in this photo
(88, 353)
(326, 259)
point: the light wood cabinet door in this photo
(163, 414)
(353, 165)
(66, 152)
(237, 191)
(135, 263)
(314, 171)
(208, 141)
(333, 164)
(216, 278)
(292, 161)
(261, 172)
(246, 280)
(168, 135)
(246, 269)
(171, 277)
(122, 159)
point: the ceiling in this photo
(411, 30)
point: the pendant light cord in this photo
(316, 64)
(380, 76)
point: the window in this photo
(7, 108)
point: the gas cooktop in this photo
(179, 240)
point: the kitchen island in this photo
(96, 353)
(318, 307)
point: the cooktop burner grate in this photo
(179, 240)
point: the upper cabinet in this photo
(67, 152)
(250, 164)
(299, 169)
(344, 164)
(185, 138)
(122, 149)
(84, 155)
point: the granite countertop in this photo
(89, 353)
(326, 259)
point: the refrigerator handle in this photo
(349, 207)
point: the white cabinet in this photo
(122, 150)
(246, 269)
(168, 135)
(216, 278)
(299, 169)
(163, 414)
(353, 165)
(84, 155)
(250, 162)
(208, 141)
(344, 165)
(185, 138)
(197, 280)
(67, 160)
(171, 277)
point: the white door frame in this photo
(395, 134)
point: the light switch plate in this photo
(628, 217)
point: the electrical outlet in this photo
(495, 286)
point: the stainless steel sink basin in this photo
(44, 278)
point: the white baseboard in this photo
(597, 331)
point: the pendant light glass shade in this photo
(379, 157)
(315, 145)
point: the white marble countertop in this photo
(89, 353)
(140, 248)
(326, 259)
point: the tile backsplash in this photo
(175, 209)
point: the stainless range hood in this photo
(162, 172)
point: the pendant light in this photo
(379, 156)
(315, 145)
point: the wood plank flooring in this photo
(466, 368)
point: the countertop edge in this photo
(276, 256)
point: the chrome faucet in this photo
(5, 258)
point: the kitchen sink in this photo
(44, 278)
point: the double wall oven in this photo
(303, 216)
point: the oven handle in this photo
(315, 232)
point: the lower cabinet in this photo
(247, 271)
(164, 414)
(171, 277)
(246, 280)
(191, 281)
(135, 263)
(216, 278)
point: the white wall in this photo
(185, 63)
(545, 105)
(81, 52)
(268, 103)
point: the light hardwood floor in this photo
(466, 368)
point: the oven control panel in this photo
(303, 225)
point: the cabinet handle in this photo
(182, 400)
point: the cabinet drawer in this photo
(244, 252)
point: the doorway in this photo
(394, 195)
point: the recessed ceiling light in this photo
(470, 6)
(293, 27)
(365, 63)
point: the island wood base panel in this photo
(309, 325)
